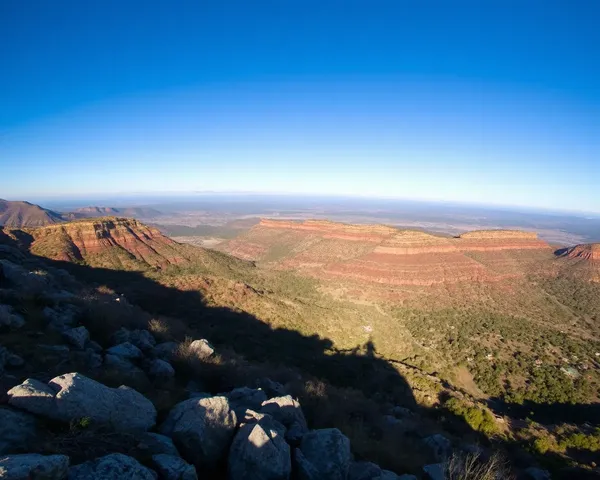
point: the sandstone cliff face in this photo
(389, 256)
(110, 242)
(590, 252)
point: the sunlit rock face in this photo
(384, 255)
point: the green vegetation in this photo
(477, 418)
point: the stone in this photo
(363, 471)
(287, 411)
(202, 429)
(96, 347)
(34, 466)
(115, 466)
(166, 350)
(3, 358)
(171, 467)
(125, 350)
(56, 349)
(17, 430)
(161, 369)
(328, 452)
(9, 319)
(14, 361)
(271, 388)
(402, 412)
(406, 476)
(202, 349)
(156, 444)
(88, 359)
(122, 335)
(305, 470)
(537, 474)
(34, 396)
(259, 451)
(244, 398)
(77, 336)
(73, 396)
(434, 471)
(142, 339)
(60, 319)
(440, 446)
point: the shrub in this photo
(479, 419)
(473, 467)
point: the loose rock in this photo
(156, 444)
(201, 349)
(126, 350)
(17, 430)
(77, 336)
(34, 466)
(171, 467)
(328, 452)
(202, 429)
(115, 466)
(259, 452)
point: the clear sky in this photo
(494, 101)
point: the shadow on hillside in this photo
(548, 413)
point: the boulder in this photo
(202, 349)
(440, 446)
(327, 452)
(160, 369)
(14, 361)
(166, 350)
(287, 411)
(96, 347)
(60, 319)
(24, 280)
(17, 430)
(142, 339)
(434, 471)
(259, 451)
(125, 350)
(77, 336)
(271, 388)
(9, 319)
(34, 466)
(406, 476)
(364, 471)
(244, 398)
(305, 470)
(73, 396)
(171, 467)
(202, 429)
(3, 358)
(89, 359)
(115, 466)
(156, 444)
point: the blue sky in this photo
(494, 102)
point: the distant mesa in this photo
(589, 251)
(386, 255)
(24, 214)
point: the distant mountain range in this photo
(18, 214)
(25, 214)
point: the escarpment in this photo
(386, 255)
(109, 242)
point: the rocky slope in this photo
(106, 242)
(25, 214)
(385, 255)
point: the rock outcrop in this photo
(73, 396)
(106, 242)
(590, 252)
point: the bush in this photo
(473, 467)
(479, 419)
